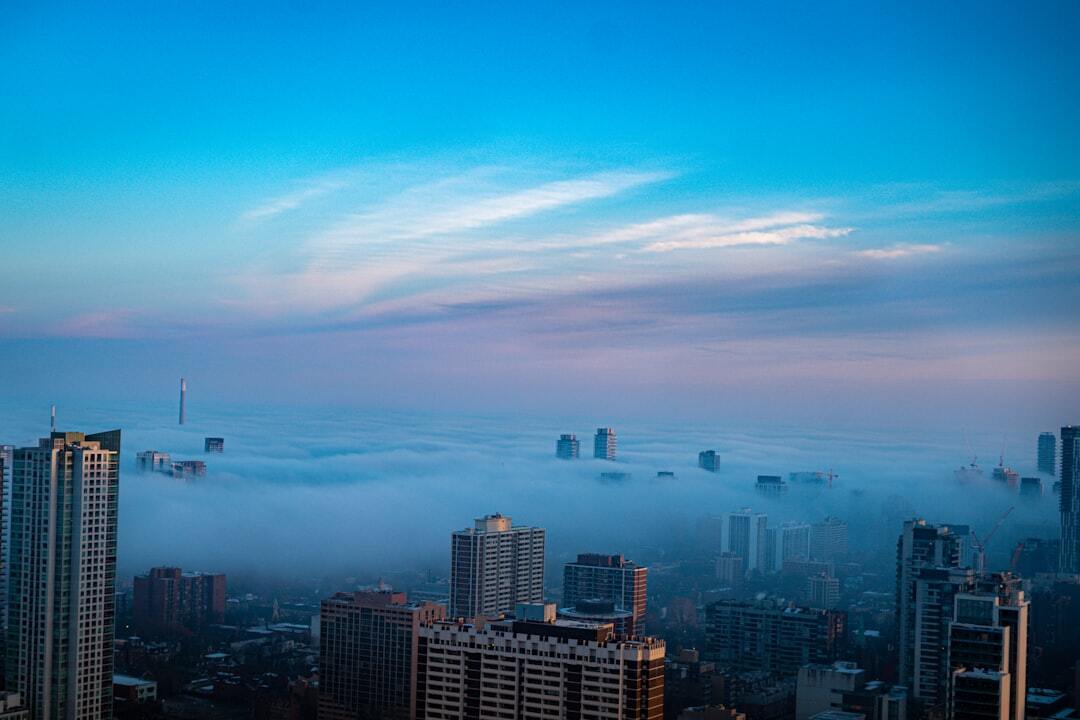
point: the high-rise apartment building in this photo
(167, 600)
(792, 543)
(63, 575)
(709, 460)
(822, 591)
(766, 637)
(1070, 500)
(919, 546)
(540, 667)
(567, 447)
(1047, 453)
(495, 565)
(828, 540)
(988, 634)
(607, 577)
(368, 653)
(604, 444)
(747, 537)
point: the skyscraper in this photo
(63, 575)
(988, 634)
(567, 447)
(368, 654)
(920, 546)
(606, 577)
(709, 460)
(604, 444)
(494, 566)
(828, 540)
(537, 666)
(1070, 500)
(746, 537)
(766, 637)
(1047, 454)
(183, 399)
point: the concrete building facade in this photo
(493, 566)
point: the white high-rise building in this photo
(604, 444)
(494, 566)
(747, 538)
(63, 575)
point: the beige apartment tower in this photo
(495, 565)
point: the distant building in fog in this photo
(567, 447)
(214, 445)
(495, 565)
(1047, 453)
(709, 460)
(770, 484)
(822, 591)
(604, 444)
(1031, 487)
(766, 637)
(828, 540)
(189, 468)
(746, 537)
(1069, 500)
(731, 569)
(821, 687)
(167, 600)
(152, 460)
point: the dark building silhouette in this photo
(1069, 501)
(567, 447)
(708, 460)
(169, 601)
(766, 637)
(607, 577)
(1047, 453)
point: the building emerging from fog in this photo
(828, 540)
(604, 444)
(214, 445)
(607, 577)
(495, 565)
(63, 575)
(167, 600)
(709, 460)
(747, 537)
(1047, 453)
(368, 645)
(567, 447)
(1070, 500)
(537, 666)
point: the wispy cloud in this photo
(6, 309)
(291, 201)
(895, 252)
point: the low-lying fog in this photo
(306, 491)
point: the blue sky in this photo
(475, 204)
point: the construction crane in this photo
(980, 545)
(1016, 556)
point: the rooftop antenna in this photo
(183, 398)
(52, 418)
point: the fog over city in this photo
(305, 491)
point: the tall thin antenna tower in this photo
(183, 398)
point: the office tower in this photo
(770, 484)
(822, 591)
(931, 611)
(535, 668)
(792, 543)
(214, 445)
(746, 537)
(1069, 501)
(368, 653)
(1047, 453)
(494, 566)
(167, 600)
(1031, 487)
(820, 687)
(919, 545)
(152, 460)
(183, 398)
(988, 633)
(731, 569)
(829, 540)
(709, 460)
(567, 447)
(607, 577)
(62, 583)
(764, 636)
(604, 444)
